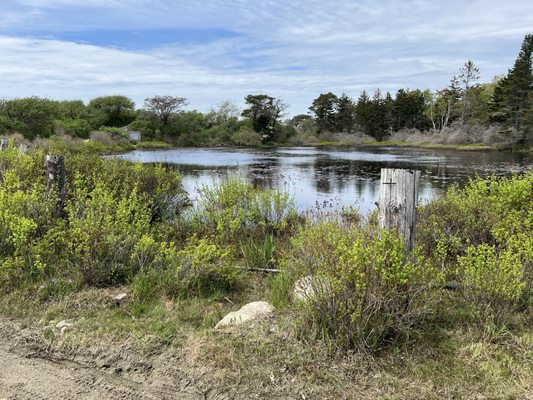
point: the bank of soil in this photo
(29, 369)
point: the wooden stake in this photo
(55, 168)
(397, 201)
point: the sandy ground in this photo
(30, 371)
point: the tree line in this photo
(507, 102)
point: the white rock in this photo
(248, 312)
(63, 324)
(119, 297)
(309, 287)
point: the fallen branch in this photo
(271, 270)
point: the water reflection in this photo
(343, 176)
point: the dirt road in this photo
(30, 372)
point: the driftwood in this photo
(397, 202)
(55, 169)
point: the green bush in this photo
(232, 209)
(485, 211)
(480, 237)
(206, 268)
(246, 137)
(75, 127)
(103, 230)
(492, 277)
(368, 290)
(201, 268)
(24, 214)
(111, 207)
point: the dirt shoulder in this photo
(31, 370)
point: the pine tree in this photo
(345, 114)
(512, 101)
(324, 109)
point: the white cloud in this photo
(291, 49)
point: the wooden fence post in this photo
(55, 168)
(3, 144)
(397, 200)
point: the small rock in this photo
(64, 324)
(248, 312)
(120, 297)
(309, 287)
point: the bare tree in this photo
(164, 106)
(468, 76)
(223, 112)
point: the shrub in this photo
(111, 206)
(485, 211)
(246, 136)
(103, 229)
(206, 268)
(480, 237)
(492, 278)
(25, 213)
(201, 268)
(70, 126)
(369, 292)
(232, 209)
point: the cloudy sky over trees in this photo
(214, 50)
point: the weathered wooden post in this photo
(3, 144)
(55, 168)
(397, 200)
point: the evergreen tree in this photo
(389, 113)
(409, 106)
(512, 100)
(363, 110)
(345, 114)
(324, 108)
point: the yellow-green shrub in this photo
(200, 268)
(103, 229)
(481, 237)
(205, 267)
(485, 211)
(492, 276)
(110, 206)
(233, 209)
(368, 290)
(24, 214)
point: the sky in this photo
(214, 50)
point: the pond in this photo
(333, 177)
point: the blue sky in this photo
(214, 50)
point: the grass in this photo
(147, 325)
(152, 144)
(268, 359)
(459, 362)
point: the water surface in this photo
(333, 176)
